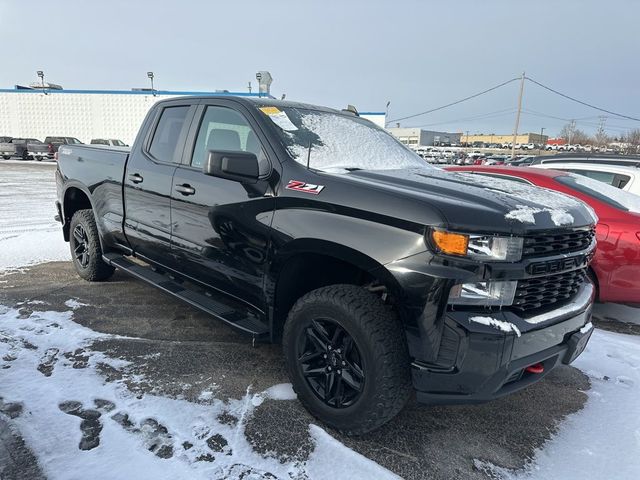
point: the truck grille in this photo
(556, 243)
(536, 293)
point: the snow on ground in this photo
(46, 365)
(602, 441)
(28, 232)
(50, 371)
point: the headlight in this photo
(489, 294)
(479, 247)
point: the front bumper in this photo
(478, 363)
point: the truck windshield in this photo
(339, 143)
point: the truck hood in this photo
(481, 203)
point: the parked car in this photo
(528, 146)
(617, 260)
(55, 142)
(620, 176)
(593, 158)
(24, 148)
(7, 149)
(520, 161)
(495, 160)
(31, 148)
(112, 142)
(259, 212)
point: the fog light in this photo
(489, 294)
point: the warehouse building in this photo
(89, 114)
(415, 137)
(500, 139)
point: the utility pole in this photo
(572, 127)
(540, 144)
(600, 133)
(515, 130)
(466, 140)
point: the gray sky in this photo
(417, 54)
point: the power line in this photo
(581, 102)
(577, 120)
(456, 102)
(482, 116)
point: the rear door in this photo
(147, 181)
(221, 227)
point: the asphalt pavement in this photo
(189, 349)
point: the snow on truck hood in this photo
(517, 204)
(353, 148)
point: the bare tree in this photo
(632, 137)
(601, 138)
(573, 135)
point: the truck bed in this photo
(100, 169)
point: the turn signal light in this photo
(451, 243)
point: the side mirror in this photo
(237, 166)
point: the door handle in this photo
(185, 189)
(135, 177)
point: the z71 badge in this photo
(304, 187)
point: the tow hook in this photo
(535, 368)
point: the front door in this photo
(220, 233)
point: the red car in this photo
(616, 265)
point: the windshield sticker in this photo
(304, 187)
(280, 118)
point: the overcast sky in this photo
(416, 54)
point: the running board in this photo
(208, 301)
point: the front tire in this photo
(347, 358)
(86, 252)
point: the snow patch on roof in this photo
(498, 324)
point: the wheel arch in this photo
(76, 197)
(308, 264)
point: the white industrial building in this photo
(89, 114)
(416, 137)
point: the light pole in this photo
(386, 113)
(153, 90)
(540, 144)
(40, 74)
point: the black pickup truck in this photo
(312, 227)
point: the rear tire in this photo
(6, 157)
(86, 252)
(347, 358)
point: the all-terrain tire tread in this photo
(97, 270)
(379, 323)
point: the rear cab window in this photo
(164, 142)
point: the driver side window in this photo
(223, 128)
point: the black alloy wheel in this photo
(86, 251)
(347, 357)
(331, 363)
(81, 246)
